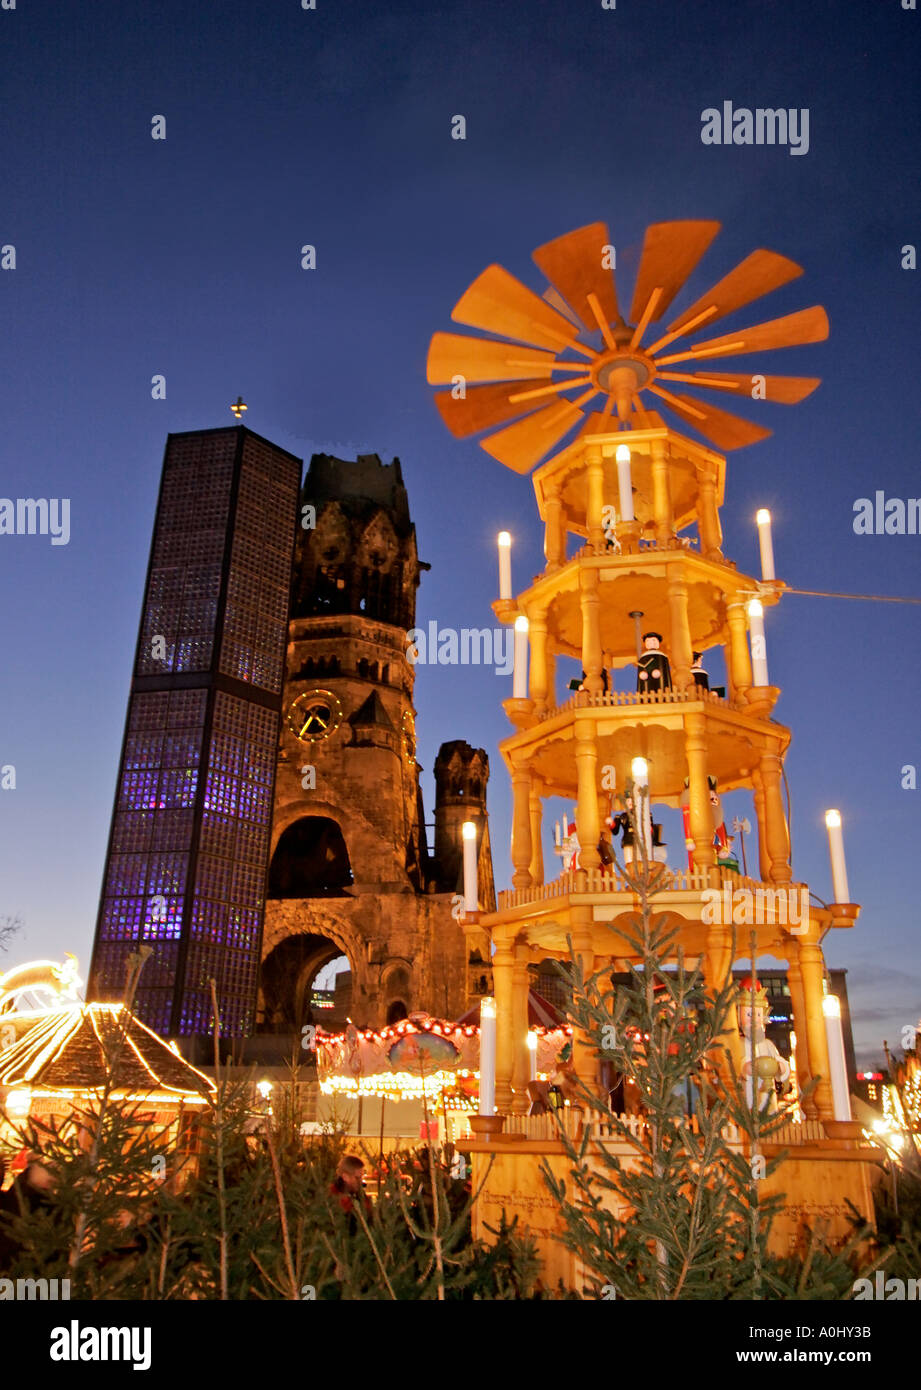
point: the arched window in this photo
(310, 861)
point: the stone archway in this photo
(288, 975)
(396, 990)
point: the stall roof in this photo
(66, 1049)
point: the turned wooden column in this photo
(554, 535)
(521, 826)
(588, 824)
(661, 494)
(764, 859)
(740, 662)
(537, 671)
(798, 1005)
(812, 968)
(537, 847)
(591, 630)
(503, 964)
(681, 653)
(520, 1060)
(777, 833)
(717, 968)
(584, 1052)
(708, 520)
(700, 813)
(594, 507)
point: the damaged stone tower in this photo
(350, 872)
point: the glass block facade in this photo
(186, 865)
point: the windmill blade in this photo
(484, 406)
(782, 390)
(499, 303)
(726, 431)
(553, 297)
(573, 264)
(757, 275)
(806, 326)
(521, 445)
(671, 250)
(481, 359)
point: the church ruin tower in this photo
(351, 875)
(461, 774)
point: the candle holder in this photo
(506, 610)
(843, 1129)
(484, 1127)
(520, 712)
(628, 536)
(843, 914)
(761, 699)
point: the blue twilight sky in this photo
(332, 126)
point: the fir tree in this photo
(666, 1204)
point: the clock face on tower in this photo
(314, 716)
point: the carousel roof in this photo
(540, 1014)
(66, 1049)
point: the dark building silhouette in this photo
(186, 861)
(238, 745)
(351, 874)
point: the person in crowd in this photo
(32, 1192)
(348, 1184)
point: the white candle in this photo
(836, 850)
(763, 519)
(471, 901)
(624, 482)
(488, 1056)
(640, 769)
(520, 675)
(532, 1056)
(759, 649)
(559, 835)
(831, 1008)
(505, 565)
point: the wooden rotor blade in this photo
(757, 275)
(671, 250)
(726, 431)
(783, 390)
(806, 326)
(522, 445)
(499, 303)
(573, 264)
(484, 406)
(480, 359)
(554, 297)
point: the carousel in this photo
(420, 1078)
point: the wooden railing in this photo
(643, 545)
(572, 1121)
(610, 881)
(610, 699)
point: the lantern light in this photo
(836, 853)
(763, 518)
(624, 483)
(505, 564)
(759, 649)
(520, 669)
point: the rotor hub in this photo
(622, 370)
